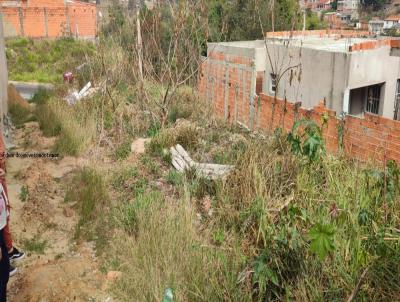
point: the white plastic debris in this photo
(76, 96)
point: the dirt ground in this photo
(64, 270)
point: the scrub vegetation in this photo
(44, 60)
(290, 223)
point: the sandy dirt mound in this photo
(14, 98)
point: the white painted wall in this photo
(373, 67)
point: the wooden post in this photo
(21, 21)
(68, 19)
(139, 41)
(46, 22)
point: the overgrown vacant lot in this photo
(290, 223)
(44, 60)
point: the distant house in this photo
(334, 20)
(390, 21)
(49, 18)
(348, 9)
(317, 5)
(376, 26)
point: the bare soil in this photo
(65, 270)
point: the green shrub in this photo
(163, 140)
(41, 96)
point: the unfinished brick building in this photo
(49, 18)
(352, 79)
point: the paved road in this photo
(27, 89)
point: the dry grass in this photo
(168, 253)
(75, 126)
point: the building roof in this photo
(393, 18)
(330, 44)
(339, 42)
(376, 22)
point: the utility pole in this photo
(3, 76)
(139, 40)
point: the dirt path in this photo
(56, 267)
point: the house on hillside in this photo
(317, 5)
(391, 21)
(348, 9)
(49, 18)
(334, 19)
(376, 26)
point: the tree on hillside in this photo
(239, 19)
(373, 5)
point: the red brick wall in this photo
(80, 16)
(369, 138)
(239, 87)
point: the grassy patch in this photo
(123, 150)
(174, 178)
(41, 96)
(75, 126)
(88, 190)
(35, 245)
(186, 135)
(126, 215)
(167, 254)
(44, 60)
(24, 194)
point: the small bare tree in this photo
(171, 57)
(283, 63)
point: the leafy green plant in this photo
(384, 184)
(263, 275)
(307, 142)
(322, 243)
(219, 236)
